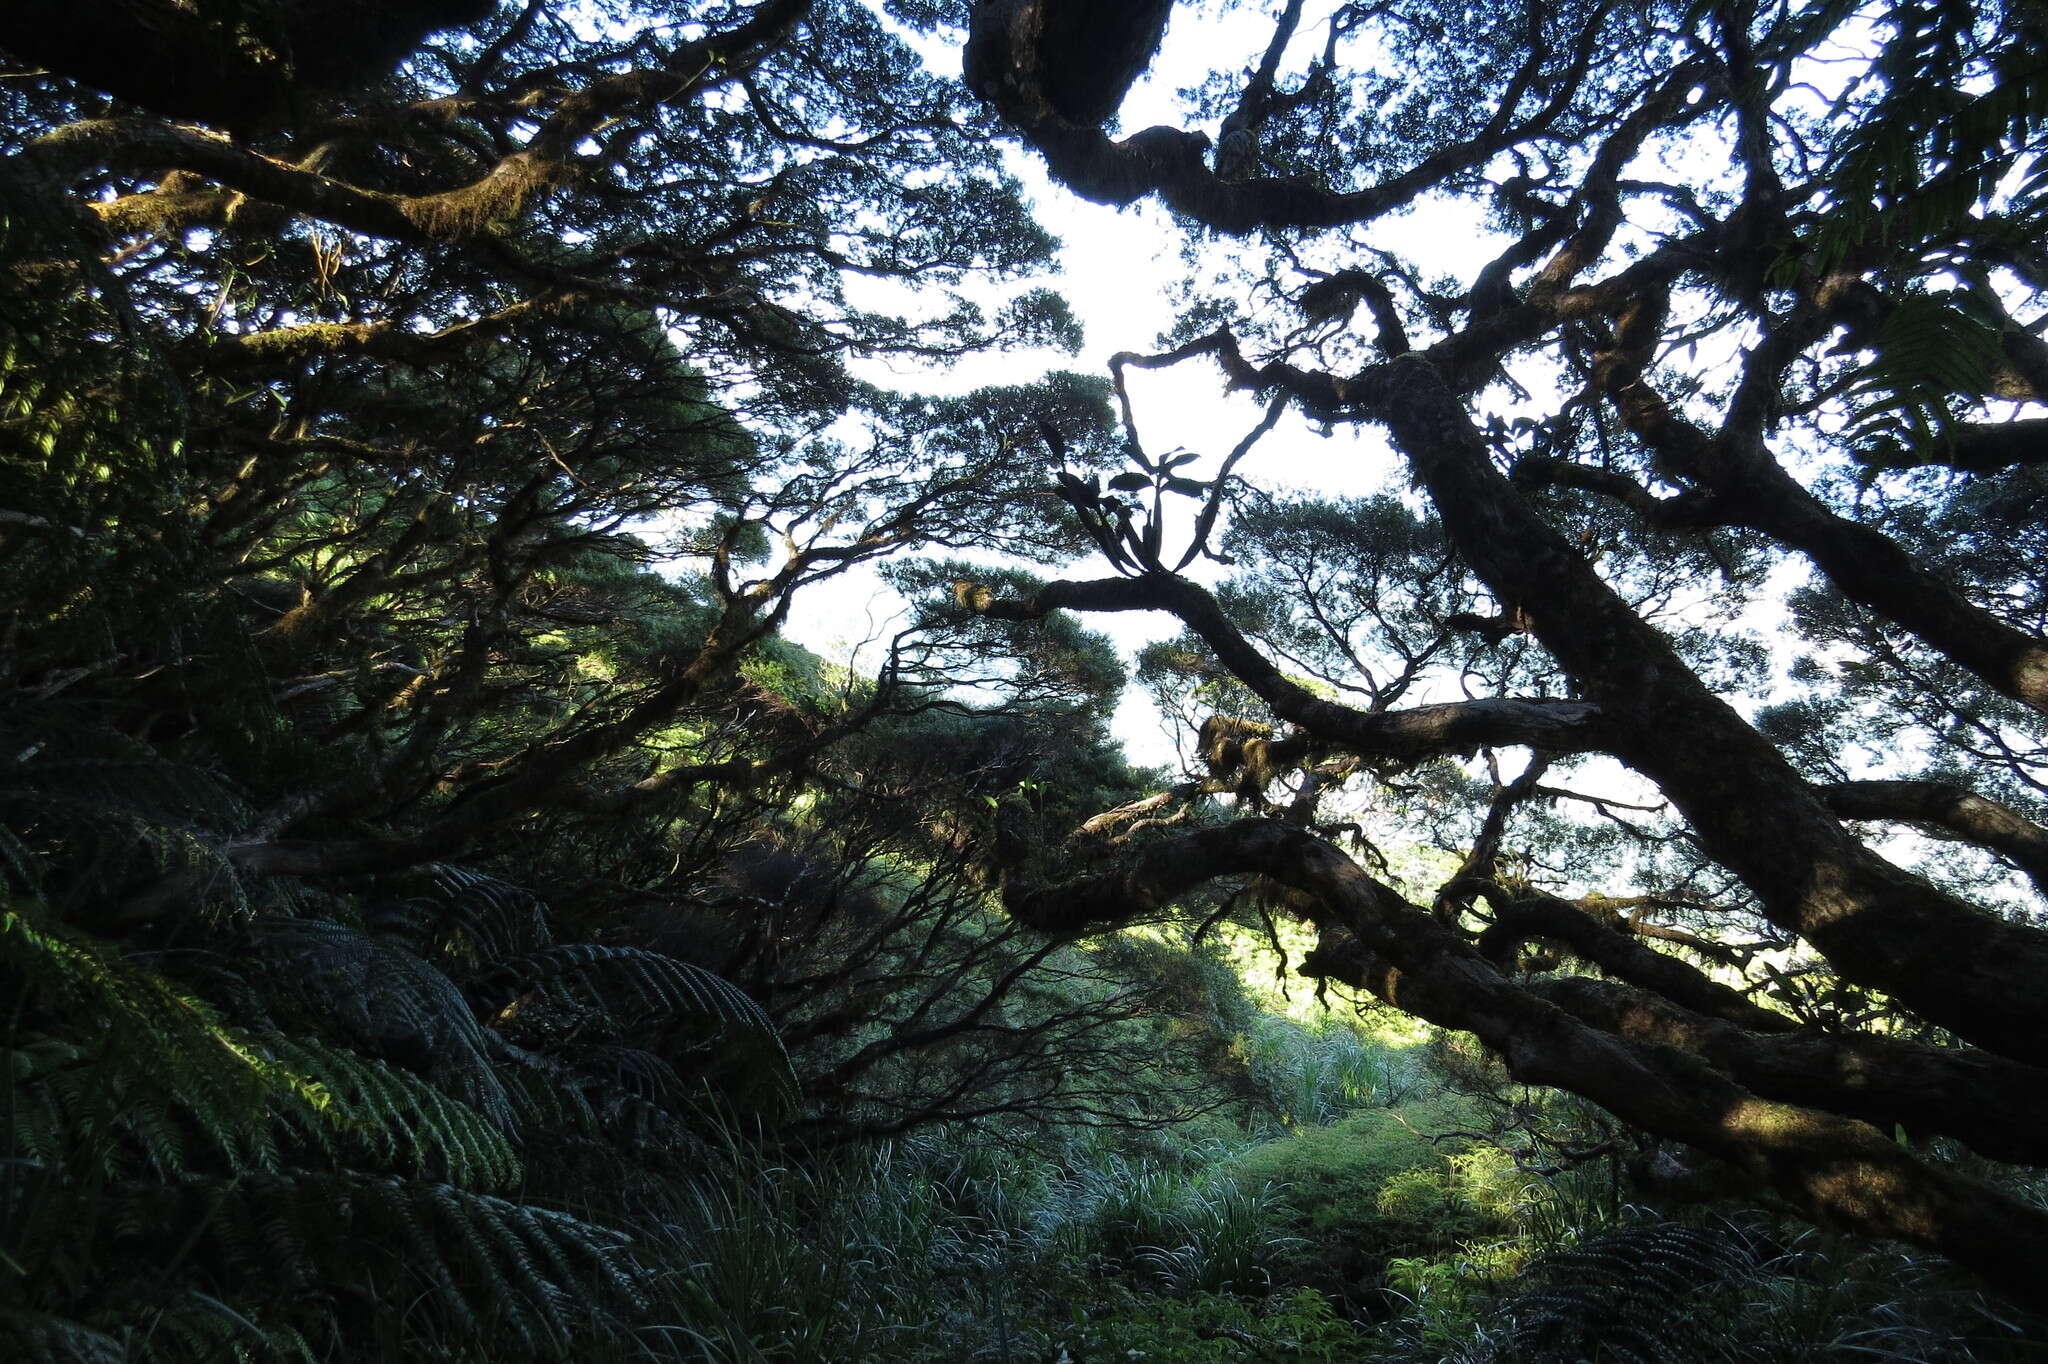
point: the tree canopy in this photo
(1724, 312)
(422, 418)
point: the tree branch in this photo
(1521, 916)
(1403, 736)
(1953, 962)
(1833, 1168)
(1998, 1107)
(1948, 811)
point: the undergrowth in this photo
(313, 1139)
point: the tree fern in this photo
(83, 1112)
(583, 989)
(471, 918)
(631, 1072)
(380, 1114)
(472, 1265)
(628, 984)
(89, 815)
(166, 1082)
(542, 1096)
(637, 1100)
(105, 1049)
(1626, 1296)
(383, 999)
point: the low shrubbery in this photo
(1070, 1252)
(1416, 1225)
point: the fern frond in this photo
(124, 1051)
(150, 784)
(398, 1118)
(479, 1266)
(501, 919)
(631, 1073)
(387, 1001)
(584, 990)
(110, 849)
(544, 1095)
(626, 985)
(1934, 144)
(198, 1328)
(1623, 1296)
(635, 1097)
(79, 796)
(39, 1338)
(20, 861)
(462, 914)
(1932, 348)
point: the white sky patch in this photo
(1118, 270)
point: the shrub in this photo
(1203, 1232)
(1205, 1328)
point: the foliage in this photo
(1296, 1328)
(1716, 1291)
(165, 1161)
(442, 917)
(1739, 313)
(1623, 1295)
(1184, 1234)
(1312, 1076)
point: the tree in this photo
(363, 363)
(420, 366)
(419, 420)
(1751, 291)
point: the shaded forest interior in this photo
(1597, 913)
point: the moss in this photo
(1349, 1161)
(490, 204)
(1330, 1181)
(1205, 1328)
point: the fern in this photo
(1930, 348)
(635, 1098)
(478, 1266)
(1937, 154)
(467, 917)
(385, 1000)
(199, 1328)
(630, 985)
(84, 1112)
(40, 1338)
(89, 810)
(631, 1073)
(1625, 1296)
(584, 989)
(165, 1080)
(1926, 154)
(394, 1117)
(127, 1056)
(542, 1094)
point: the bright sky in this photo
(1117, 270)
